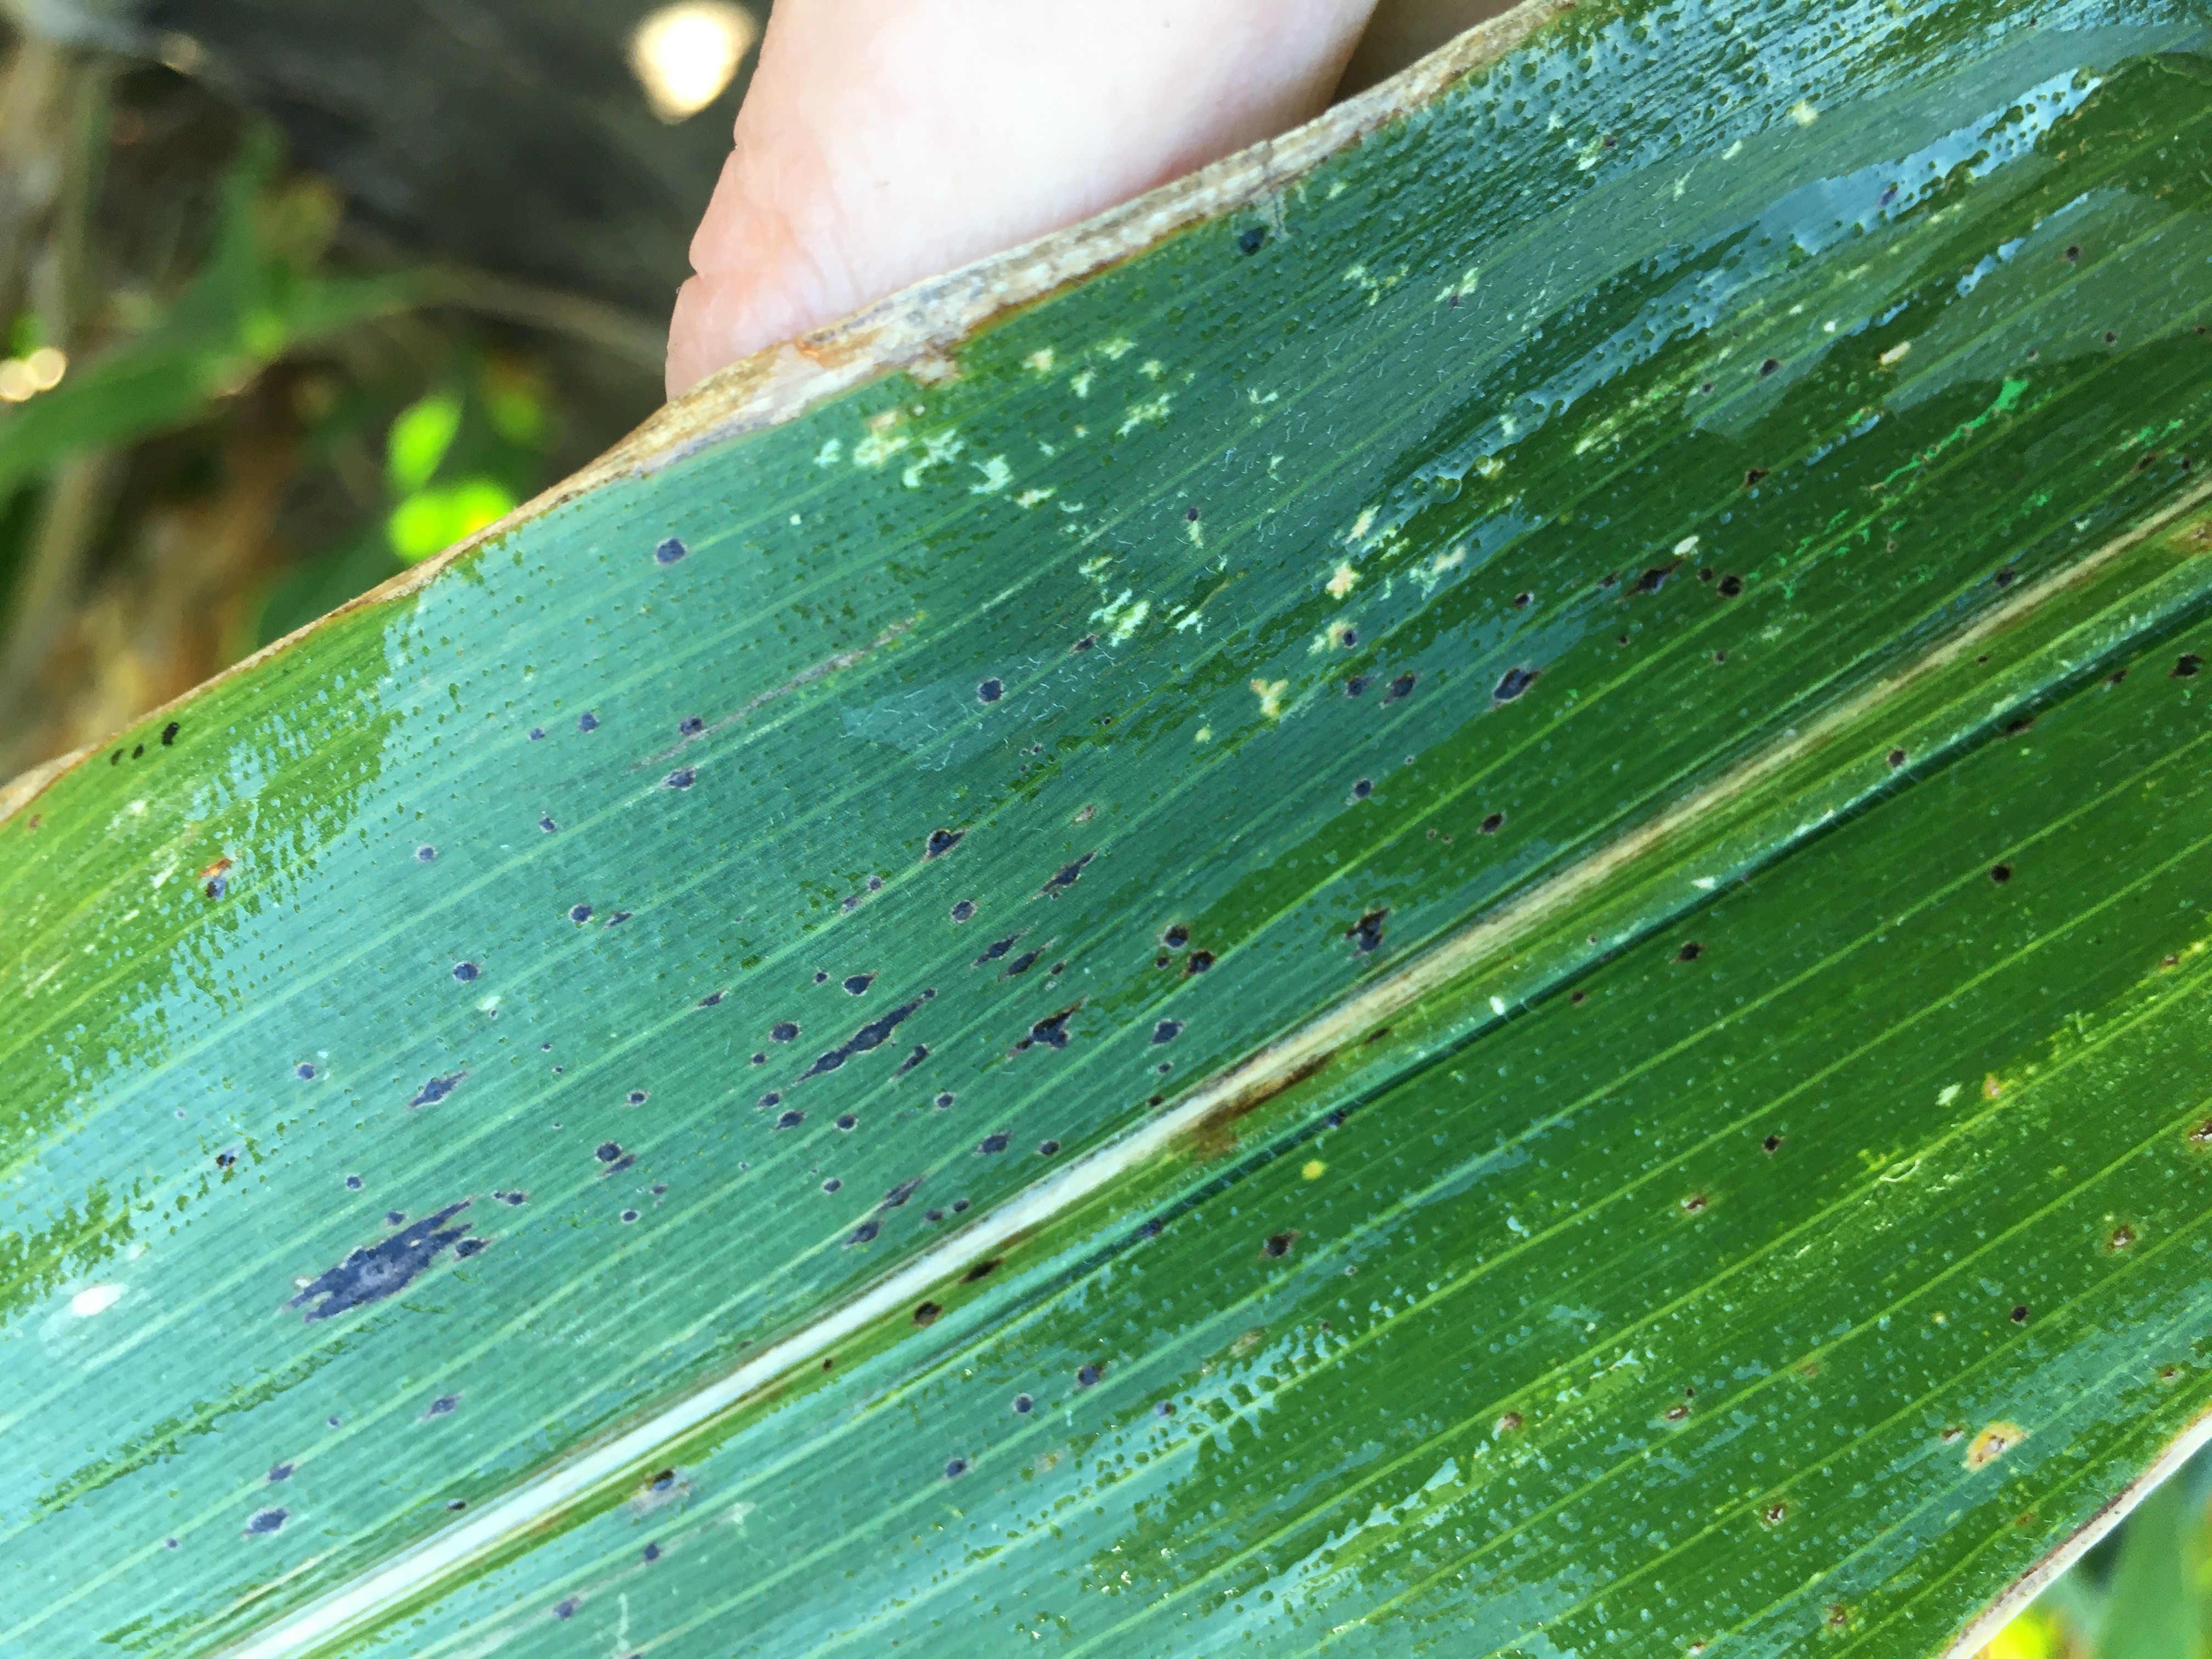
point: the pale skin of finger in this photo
(885, 141)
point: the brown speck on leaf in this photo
(927, 1313)
(1676, 1414)
(2201, 1134)
(1507, 1424)
(1993, 1442)
(1991, 1087)
(1693, 1203)
(1774, 1515)
(2122, 1237)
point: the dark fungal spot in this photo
(1167, 1031)
(580, 914)
(426, 852)
(370, 1272)
(1690, 952)
(1493, 824)
(1278, 1244)
(1773, 1143)
(1348, 638)
(1085, 643)
(393, 1217)
(1654, 578)
(1065, 878)
(353, 1184)
(1023, 1404)
(669, 551)
(1052, 1030)
(538, 734)
(2001, 873)
(1087, 1376)
(617, 919)
(920, 1052)
(990, 691)
(862, 1234)
(216, 886)
(783, 1030)
(305, 1070)
(997, 948)
(516, 1198)
(469, 1246)
(1752, 477)
(2012, 728)
(713, 999)
(832, 1184)
(790, 1120)
(225, 1158)
(635, 1097)
(565, 1609)
(1769, 367)
(940, 843)
(2111, 336)
(690, 725)
(137, 749)
(1363, 788)
(874, 1035)
(652, 1552)
(1366, 933)
(1401, 689)
(169, 733)
(994, 1142)
(2020, 1315)
(1252, 239)
(944, 1099)
(857, 984)
(1729, 587)
(1896, 758)
(927, 1313)
(847, 1121)
(963, 910)
(1021, 965)
(629, 1215)
(981, 1270)
(1522, 600)
(681, 777)
(547, 825)
(2186, 666)
(587, 721)
(116, 758)
(768, 1102)
(443, 1406)
(1514, 682)
(1200, 961)
(1177, 937)
(607, 1151)
(1358, 683)
(262, 1522)
(1166, 1407)
(436, 1090)
(465, 971)
(955, 1467)
(280, 1472)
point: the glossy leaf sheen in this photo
(1687, 496)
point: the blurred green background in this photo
(298, 292)
(295, 291)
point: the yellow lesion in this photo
(1270, 693)
(1039, 360)
(1993, 1442)
(1343, 581)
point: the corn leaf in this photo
(1446, 894)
